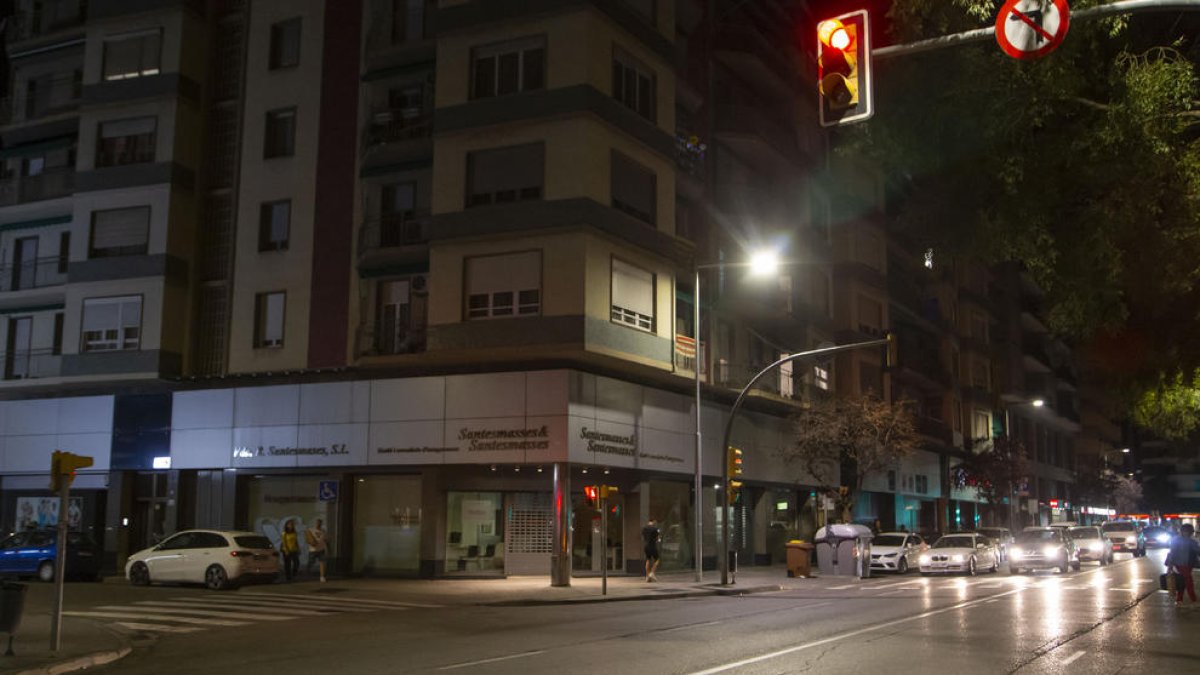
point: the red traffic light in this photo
(592, 493)
(833, 34)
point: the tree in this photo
(998, 471)
(841, 441)
(1083, 166)
(1094, 486)
(1127, 494)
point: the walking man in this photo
(1182, 557)
(651, 535)
(315, 536)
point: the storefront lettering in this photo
(533, 438)
(421, 449)
(246, 452)
(609, 443)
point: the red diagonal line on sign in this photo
(1033, 24)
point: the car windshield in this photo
(1038, 536)
(991, 532)
(1085, 533)
(253, 541)
(1156, 531)
(888, 540)
(955, 542)
(1118, 527)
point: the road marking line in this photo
(298, 604)
(158, 617)
(1071, 659)
(360, 601)
(133, 625)
(891, 585)
(992, 600)
(258, 606)
(690, 625)
(183, 608)
(842, 588)
(492, 660)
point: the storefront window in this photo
(274, 500)
(586, 540)
(387, 525)
(475, 533)
(671, 505)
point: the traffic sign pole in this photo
(60, 565)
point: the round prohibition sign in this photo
(1028, 29)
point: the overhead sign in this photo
(328, 491)
(1028, 29)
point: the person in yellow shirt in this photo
(289, 546)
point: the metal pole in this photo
(710, 18)
(724, 558)
(698, 535)
(603, 543)
(560, 559)
(60, 565)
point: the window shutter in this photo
(506, 169)
(273, 328)
(632, 288)
(121, 228)
(132, 127)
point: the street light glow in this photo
(1125, 450)
(764, 263)
(1037, 402)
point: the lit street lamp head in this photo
(764, 263)
(1037, 402)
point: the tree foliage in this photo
(998, 471)
(839, 441)
(1127, 495)
(1083, 165)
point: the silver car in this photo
(1093, 544)
(896, 551)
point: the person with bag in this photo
(289, 546)
(1181, 558)
(315, 536)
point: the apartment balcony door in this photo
(24, 269)
(16, 359)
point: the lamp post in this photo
(762, 263)
(1012, 495)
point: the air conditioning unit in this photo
(418, 283)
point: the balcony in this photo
(46, 185)
(46, 17)
(32, 364)
(397, 126)
(394, 239)
(37, 273)
(17, 109)
(387, 339)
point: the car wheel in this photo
(903, 567)
(1103, 561)
(995, 565)
(45, 571)
(139, 575)
(215, 578)
(1064, 565)
(971, 566)
(1077, 565)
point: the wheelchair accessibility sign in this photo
(328, 491)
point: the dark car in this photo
(32, 553)
(1043, 548)
(1157, 537)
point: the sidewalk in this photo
(85, 644)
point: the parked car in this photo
(896, 551)
(216, 559)
(33, 553)
(1126, 537)
(1043, 548)
(969, 553)
(1156, 537)
(1093, 544)
(1001, 536)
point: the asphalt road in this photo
(1100, 619)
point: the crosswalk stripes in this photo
(194, 613)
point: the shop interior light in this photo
(585, 469)
(516, 469)
(539, 469)
(605, 471)
(493, 467)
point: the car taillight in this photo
(237, 554)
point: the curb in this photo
(80, 663)
(702, 591)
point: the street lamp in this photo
(1012, 505)
(762, 263)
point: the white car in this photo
(216, 559)
(896, 551)
(968, 553)
(1092, 544)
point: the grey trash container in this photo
(12, 607)
(844, 550)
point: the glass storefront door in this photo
(475, 533)
(274, 500)
(671, 506)
(586, 541)
(387, 525)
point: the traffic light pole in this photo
(60, 565)
(737, 404)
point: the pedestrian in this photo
(315, 536)
(876, 527)
(289, 546)
(1181, 559)
(651, 535)
(904, 528)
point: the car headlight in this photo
(1016, 552)
(1050, 551)
(925, 560)
(1163, 537)
(958, 557)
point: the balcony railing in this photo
(36, 273)
(31, 364)
(48, 16)
(394, 126)
(45, 185)
(383, 339)
(393, 231)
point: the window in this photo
(634, 188)
(870, 315)
(274, 225)
(64, 251)
(632, 296)
(111, 324)
(956, 418)
(120, 232)
(821, 377)
(280, 137)
(981, 425)
(820, 293)
(505, 174)
(131, 56)
(981, 374)
(128, 141)
(56, 346)
(500, 286)
(633, 84)
(52, 92)
(268, 319)
(285, 44)
(408, 20)
(508, 68)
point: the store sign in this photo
(247, 452)
(486, 440)
(612, 444)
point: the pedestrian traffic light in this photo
(844, 69)
(592, 494)
(63, 466)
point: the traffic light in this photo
(734, 456)
(63, 466)
(592, 494)
(607, 491)
(844, 69)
